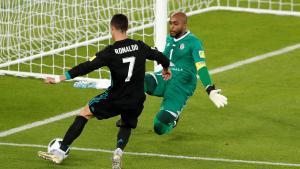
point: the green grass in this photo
(28, 100)
(229, 36)
(285, 5)
(260, 123)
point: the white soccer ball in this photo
(55, 145)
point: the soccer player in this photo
(125, 97)
(187, 57)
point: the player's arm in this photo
(95, 62)
(167, 48)
(154, 54)
(202, 70)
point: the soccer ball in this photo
(55, 145)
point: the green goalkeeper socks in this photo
(149, 84)
(163, 122)
(161, 128)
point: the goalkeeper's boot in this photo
(176, 122)
(56, 156)
(84, 84)
(117, 158)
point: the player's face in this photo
(113, 29)
(177, 27)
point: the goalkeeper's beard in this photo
(179, 34)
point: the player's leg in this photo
(97, 107)
(123, 134)
(58, 155)
(171, 107)
(75, 129)
(122, 140)
(128, 121)
(154, 84)
(150, 83)
(164, 122)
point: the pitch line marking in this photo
(39, 123)
(213, 71)
(163, 155)
(255, 59)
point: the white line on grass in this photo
(255, 59)
(214, 71)
(38, 123)
(164, 155)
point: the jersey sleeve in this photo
(99, 60)
(166, 51)
(198, 52)
(154, 54)
(199, 60)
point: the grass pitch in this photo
(260, 123)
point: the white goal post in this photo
(40, 38)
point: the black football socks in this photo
(73, 132)
(123, 137)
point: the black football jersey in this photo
(126, 60)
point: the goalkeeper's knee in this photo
(149, 83)
(163, 122)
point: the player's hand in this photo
(215, 96)
(166, 74)
(51, 80)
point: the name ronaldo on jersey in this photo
(127, 49)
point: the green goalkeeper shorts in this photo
(175, 92)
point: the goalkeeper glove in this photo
(215, 96)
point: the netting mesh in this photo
(30, 28)
(48, 37)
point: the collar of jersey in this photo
(176, 40)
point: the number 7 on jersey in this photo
(131, 61)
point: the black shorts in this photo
(103, 108)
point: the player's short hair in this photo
(120, 22)
(181, 15)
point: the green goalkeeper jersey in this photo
(187, 56)
(185, 52)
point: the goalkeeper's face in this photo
(177, 26)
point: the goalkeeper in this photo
(187, 57)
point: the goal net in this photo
(40, 38)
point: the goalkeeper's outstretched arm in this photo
(202, 70)
(214, 94)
